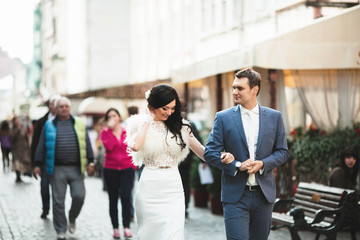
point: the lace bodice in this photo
(161, 148)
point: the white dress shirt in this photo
(250, 119)
(51, 116)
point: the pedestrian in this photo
(345, 171)
(256, 137)
(20, 149)
(44, 181)
(185, 168)
(119, 171)
(5, 141)
(98, 149)
(161, 140)
(133, 110)
(68, 154)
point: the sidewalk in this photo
(20, 209)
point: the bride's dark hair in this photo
(162, 95)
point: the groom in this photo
(255, 136)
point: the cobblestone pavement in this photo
(20, 209)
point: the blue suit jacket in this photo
(228, 135)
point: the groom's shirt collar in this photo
(255, 110)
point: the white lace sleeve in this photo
(196, 146)
(133, 126)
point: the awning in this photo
(328, 43)
(215, 65)
(332, 43)
(99, 106)
(131, 91)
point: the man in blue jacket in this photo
(65, 145)
(44, 182)
(255, 136)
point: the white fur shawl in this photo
(160, 147)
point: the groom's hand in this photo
(246, 165)
(255, 166)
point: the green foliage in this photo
(215, 188)
(316, 150)
(195, 177)
(194, 173)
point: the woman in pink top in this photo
(119, 171)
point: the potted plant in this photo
(215, 192)
(316, 150)
(198, 190)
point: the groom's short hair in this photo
(253, 76)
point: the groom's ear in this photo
(255, 90)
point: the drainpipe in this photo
(219, 94)
(272, 79)
(186, 98)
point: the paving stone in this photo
(20, 210)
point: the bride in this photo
(161, 140)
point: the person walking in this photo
(68, 154)
(185, 168)
(5, 141)
(133, 110)
(44, 181)
(255, 135)
(119, 171)
(20, 149)
(161, 140)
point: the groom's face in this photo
(242, 92)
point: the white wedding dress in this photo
(159, 198)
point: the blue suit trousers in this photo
(250, 218)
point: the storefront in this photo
(313, 69)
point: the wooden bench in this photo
(317, 208)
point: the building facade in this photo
(122, 48)
(200, 44)
(85, 45)
(13, 86)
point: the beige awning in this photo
(332, 43)
(329, 43)
(99, 106)
(215, 65)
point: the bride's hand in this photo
(227, 158)
(149, 113)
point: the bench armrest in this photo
(283, 204)
(321, 214)
(298, 216)
(301, 224)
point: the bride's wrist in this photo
(148, 118)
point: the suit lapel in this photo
(262, 120)
(236, 115)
